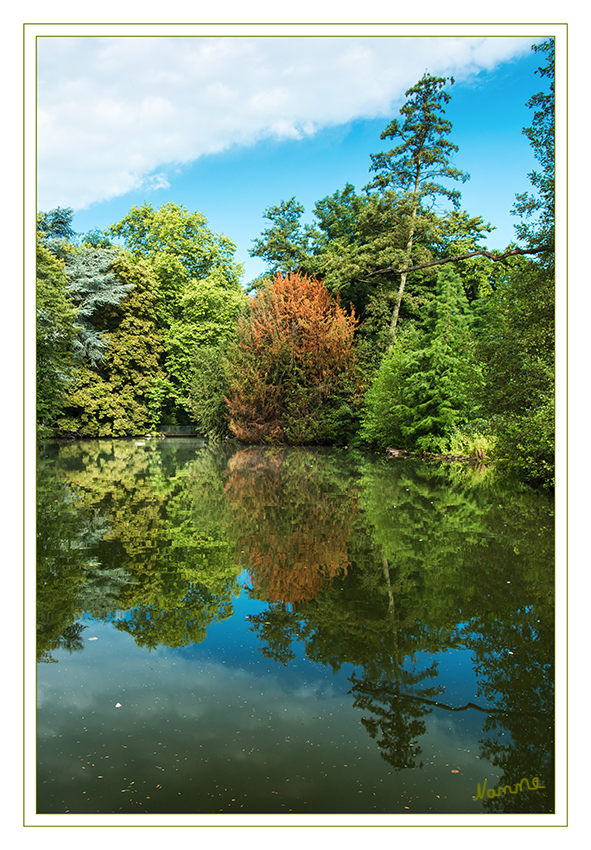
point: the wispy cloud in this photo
(115, 113)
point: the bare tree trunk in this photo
(404, 274)
(396, 314)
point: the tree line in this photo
(385, 322)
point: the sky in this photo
(230, 126)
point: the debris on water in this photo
(118, 705)
(92, 638)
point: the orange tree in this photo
(293, 373)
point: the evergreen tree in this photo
(414, 168)
(92, 288)
(56, 228)
(426, 385)
(516, 348)
(517, 336)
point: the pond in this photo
(231, 630)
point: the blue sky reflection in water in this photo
(263, 666)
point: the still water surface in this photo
(309, 631)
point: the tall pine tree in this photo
(421, 159)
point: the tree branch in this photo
(514, 252)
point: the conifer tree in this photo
(414, 168)
(92, 288)
(426, 385)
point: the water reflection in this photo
(378, 566)
(291, 515)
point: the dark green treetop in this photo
(422, 158)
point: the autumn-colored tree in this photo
(293, 368)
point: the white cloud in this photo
(115, 114)
(155, 182)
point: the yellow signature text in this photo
(507, 789)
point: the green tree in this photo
(517, 324)
(56, 333)
(210, 309)
(363, 265)
(208, 390)
(426, 385)
(55, 227)
(111, 398)
(57, 223)
(198, 296)
(516, 345)
(93, 287)
(337, 218)
(540, 206)
(414, 168)
(180, 247)
(284, 245)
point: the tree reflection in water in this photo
(381, 565)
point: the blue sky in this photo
(230, 126)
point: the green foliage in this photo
(283, 245)
(423, 155)
(426, 385)
(209, 312)
(96, 238)
(516, 348)
(540, 205)
(162, 403)
(55, 336)
(113, 398)
(337, 216)
(159, 551)
(56, 224)
(381, 423)
(408, 178)
(157, 339)
(199, 296)
(55, 228)
(93, 288)
(209, 386)
(180, 248)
